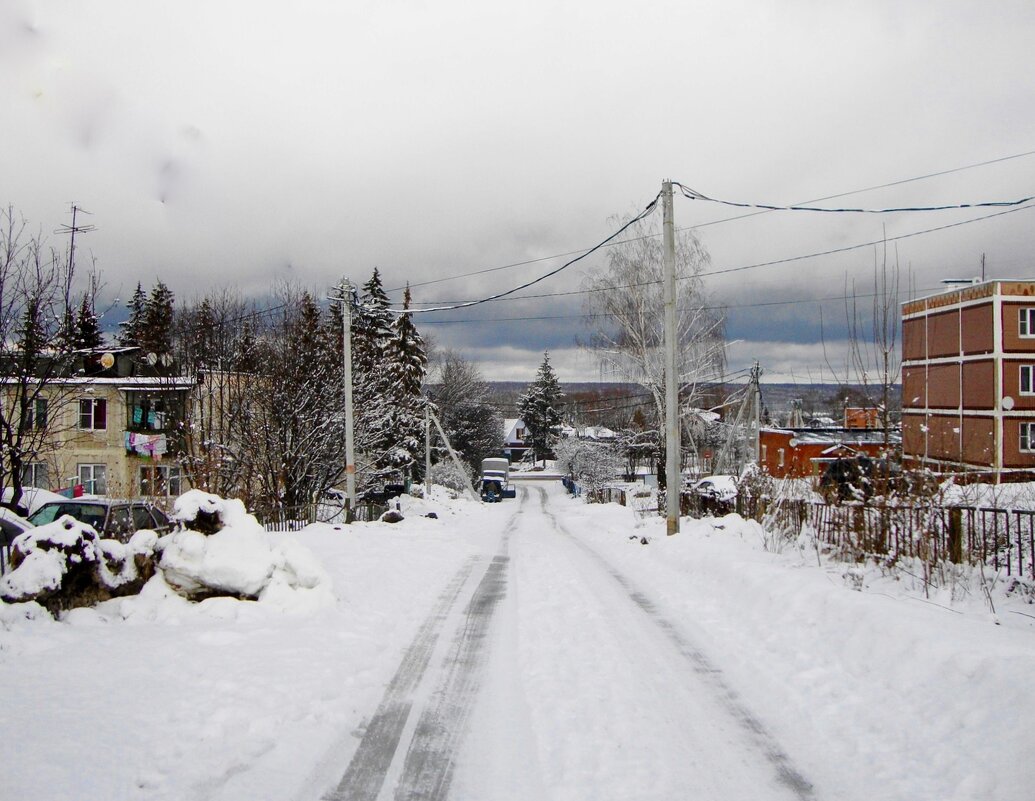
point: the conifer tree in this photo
(371, 335)
(540, 409)
(406, 369)
(87, 330)
(155, 334)
(129, 334)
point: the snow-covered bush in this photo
(221, 550)
(591, 464)
(65, 564)
(446, 474)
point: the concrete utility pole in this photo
(427, 448)
(673, 475)
(453, 456)
(346, 349)
(756, 396)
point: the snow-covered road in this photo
(535, 651)
(559, 679)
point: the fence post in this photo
(955, 535)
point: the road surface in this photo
(542, 673)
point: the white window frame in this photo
(779, 457)
(1026, 379)
(764, 453)
(1026, 322)
(31, 475)
(1026, 443)
(91, 475)
(170, 480)
(88, 414)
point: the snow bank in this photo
(223, 551)
(65, 564)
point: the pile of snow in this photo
(66, 564)
(224, 551)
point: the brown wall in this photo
(943, 440)
(1012, 383)
(1012, 456)
(914, 387)
(1012, 342)
(943, 334)
(979, 440)
(943, 386)
(978, 336)
(913, 434)
(979, 385)
(914, 339)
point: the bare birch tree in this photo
(626, 307)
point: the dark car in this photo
(859, 478)
(112, 519)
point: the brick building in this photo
(968, 379)
(806, 452)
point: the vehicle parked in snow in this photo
(717, 494)
(496, 480)
(112, 519)
(11, 525)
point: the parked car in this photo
(717, 493)
(859, 477)
(113, 519)
(32, 498)
(11, 525)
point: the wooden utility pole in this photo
(673, 473)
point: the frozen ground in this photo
(530, 650)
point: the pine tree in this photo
(371, 335)
(129, 335)
(540, 411)
(406, 369)
(155, 335)
(87, 330)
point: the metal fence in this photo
(1003, 539)
(294, 518)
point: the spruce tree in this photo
(406, 369)
(371, 335)
(87, 330)
(156, 330)
(540, 409)
(129, 333)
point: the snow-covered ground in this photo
(569, 660)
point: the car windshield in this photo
(90, 513)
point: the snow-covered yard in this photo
(608, 669)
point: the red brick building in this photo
(806, 452)
(968, 379)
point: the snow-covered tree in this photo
(372, 324)
(87, 329)
(592, 464)
(465, 408)
(406, 370)
(540, 409)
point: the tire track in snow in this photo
(786, 773)
(369, 765)
(431, 758)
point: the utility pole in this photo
(347, 294)
(756, 395)
(673, 474)
(427, 448)
(453, 456)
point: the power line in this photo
(887, 185)
(643, 214)
(693, 194)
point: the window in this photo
(779, 457)
(36, 474)
(160, 481)
(763, 454)
(93, 414)
(93, 477)
(1028, 437)
(36, 419)
(1026, 322)
(1028, 379)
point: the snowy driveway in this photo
(554, 678)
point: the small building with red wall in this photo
(806, 452)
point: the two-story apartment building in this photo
(968, 379)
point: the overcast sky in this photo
(222, 143)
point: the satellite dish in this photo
(152, 359)
(793, 442)
(1008, 403)
(107, 360)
